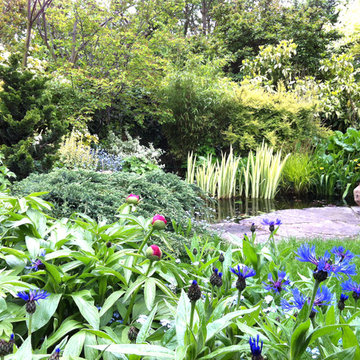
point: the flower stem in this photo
(30, 323)
(355, 306)
(192, 313)
(148, 270)
(145, 240)
(238, 300)
(316, 287)
(132, 301)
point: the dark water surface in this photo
(235, 210)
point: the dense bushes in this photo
(208, 112)
(99, 195)
(31, 123)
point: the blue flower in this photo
(57, 350)
(323, 297)
(277, 222)
(243, 272)
(351, 285)
(343, 297)
(271, 224)
(37, 264)
(33, 295)
(341, 254)
(278, 285)
(324, 266)
(298, 301)
(254, 346)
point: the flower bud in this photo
(108, 244)
(153, 252)
(159, 222)
(221, 258)
(194, 292)
(133, 333)
(195, 252)
(133, 199)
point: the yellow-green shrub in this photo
(280, 118)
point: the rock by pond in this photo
(330, 222)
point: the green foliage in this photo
(340, 92)
(281, 118)
(31, 125)
(298, 173)
(198, 100)
(243, 27)
(272, 65)
(261, 174)
(337, 164)
(102, 286)
(99, 195)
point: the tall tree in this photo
(35, 8)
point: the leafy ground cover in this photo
(77, 289)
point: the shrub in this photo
(208, 110)
(280, 118)
(99, 195)
(31, 123)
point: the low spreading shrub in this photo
(99, 195)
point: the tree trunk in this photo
(28, 34)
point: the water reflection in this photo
(237, 209)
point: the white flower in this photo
(178, 261)
(268, 299)
(142, 319)
(196, 263)
(166, 323)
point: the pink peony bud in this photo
(133, 199)
(158, 222)
(153, 252)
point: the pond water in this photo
(235, 210)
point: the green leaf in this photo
(299, 341)
(110, 301)
(347, 354)
(149, 293)
(33, 246)
(67, 326)
(234, 349)
(182, 317)
(44, 311)
(85, 303)
(144, 331)
(216, 326)
(24, 350)
(75, 344)
(158, 352)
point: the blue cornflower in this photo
(37, 264)
(298, 301)
(351, 285)
(32, 297)
(323, 297)
(341, 254)
(278, 285)
(343, 297)
(324, 266)
(242, 273)
(255, 348)
(271, 224)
